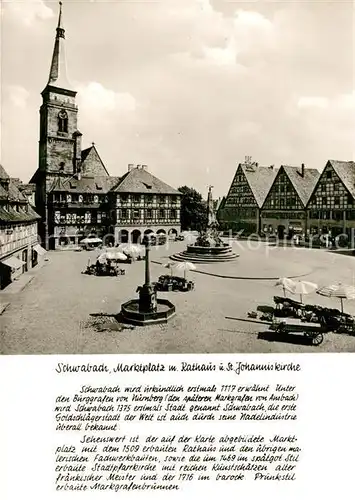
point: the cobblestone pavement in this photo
(52, 314)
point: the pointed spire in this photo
(58, 72)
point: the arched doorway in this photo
(136, 236)
(172, 232)
(123, 236)
(161, 231)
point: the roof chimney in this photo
(139, 166)
(130, 166)
(144, 167)
(302, 170)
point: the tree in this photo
(193, 209)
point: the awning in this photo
(13, 262)
(40, 250)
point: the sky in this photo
(188, 87)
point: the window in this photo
(136, 198)
(124, 197)
(161, 214)
(74, 198)
(324, 200)
(99, 217)
(69, 198)
(329, 174)
(337, 200)
(124, 213)
(63, 121)
(87, 218)
(136, 214)
(81, 198)
(96, 199)
(149, 213)
(149, 198)
(57, 217)
(350, 199)
(173, 214)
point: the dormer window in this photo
(63, 121)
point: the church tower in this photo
(60, 141)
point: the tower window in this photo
(63, 121)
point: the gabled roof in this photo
(139, 180)
(12, 192)
(346, 173)
(260, 180)
(3, 173)
(85, 154)
(304, 185)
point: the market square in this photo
(51, 315)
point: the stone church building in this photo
(75, 195)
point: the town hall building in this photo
(75, 195)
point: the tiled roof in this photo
(260, 180)
(3, 173)
(99, 184)
(139, 180)
(28, 188)
(12, 192)
(304, 185)
(12, 216)
(346, 172)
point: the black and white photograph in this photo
(177, 177)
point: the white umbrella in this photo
(112, 256)
(91, 240)
(170, 265)
(338, 291)
(185, 266)
(286, 283)
(131, 249)
(303, 288)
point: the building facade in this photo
(331, 207)
(75, 195)
(241, 207)
(19, 248)
(284, 209)
(145, 204)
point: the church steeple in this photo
(58, 73)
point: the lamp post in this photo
(147, 292)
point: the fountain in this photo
(148, 309)
(208, 247)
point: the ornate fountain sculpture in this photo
(209, 236)
(209, 247)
